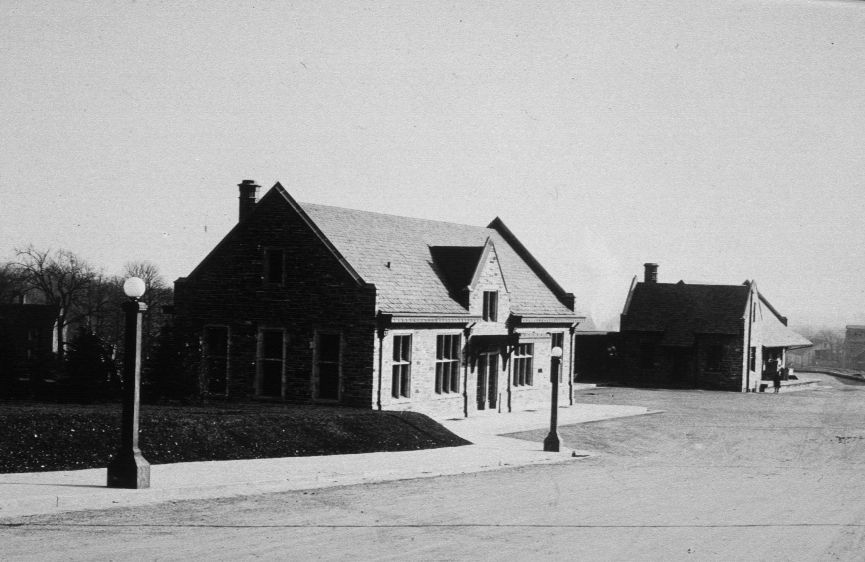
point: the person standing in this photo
(776, 380)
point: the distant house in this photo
(27, 342)
(310, 303)
(854, 347)
(722, 337)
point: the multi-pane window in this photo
(491, 306)
(753, 360)
(557, 339)
(447, 363)
(215, 352)
(271, 356)
(274, 265)
(522, 364)
(327, 360)
(401, 383)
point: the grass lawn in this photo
(44, 437)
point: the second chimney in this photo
(248, 197)
(651, 272)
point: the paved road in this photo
(719, 476)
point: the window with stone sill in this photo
(491, 306)
(401, 375)
(447, 363)
(524, 364)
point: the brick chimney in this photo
(248, 197)
(651, 272)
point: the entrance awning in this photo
(776, 334)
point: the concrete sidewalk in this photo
(51, 492)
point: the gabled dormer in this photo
(488, 290)
(474, 278)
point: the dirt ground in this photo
(717, 476)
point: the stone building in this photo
(854, 347)
(316, 304)
(719, 337)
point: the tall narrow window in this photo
(215, 352)
(271, 358)
(753, 359)
(274, 265)
(327, 362)
(447, 363)
(401, 384)
(491, 306)
(557, 339)
(523, 365)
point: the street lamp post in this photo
(129, 469)
(553, 442)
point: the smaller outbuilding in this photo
(718, 337)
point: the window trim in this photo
(260, 360)
(447, 369)
(524, 365)
(491, 306)
(401, 366)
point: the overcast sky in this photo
(724, 140)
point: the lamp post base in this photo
(129, 470)
(553, 442)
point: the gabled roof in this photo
(776, 334)
(680, 311)
(414, 263)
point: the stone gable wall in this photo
(318, 294)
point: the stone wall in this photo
(510, 397)
(317, 295)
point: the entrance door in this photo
(488, 380)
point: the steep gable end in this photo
(263, 225)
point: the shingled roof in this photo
(679, 310)
(416, 263)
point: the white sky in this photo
(724, 140)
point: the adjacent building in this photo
(27, 342)
(854, 347)
(721, 337)
(310, 303)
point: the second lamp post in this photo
(553, 442)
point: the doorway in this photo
(488, 380)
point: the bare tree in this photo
(158, 294)
(59, 278)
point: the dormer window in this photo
(491, 306)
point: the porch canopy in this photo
(776, 334)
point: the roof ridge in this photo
(302, 204)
